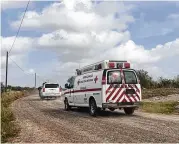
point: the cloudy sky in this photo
(57, 37)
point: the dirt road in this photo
(46, 121)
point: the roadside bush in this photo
(146, 81)
(8, 127)
(160, 107)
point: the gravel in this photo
(46, 121)
(174, 97)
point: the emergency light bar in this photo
(106, 64)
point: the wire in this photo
(19, 27)
(40, 77)
(17, 64)
(20, 67)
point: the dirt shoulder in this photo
(173, 97)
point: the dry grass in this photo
(8, 127)
(160, 107)
(147, 93)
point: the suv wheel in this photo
(92, 107)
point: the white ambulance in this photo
(107, 84)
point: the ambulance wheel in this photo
(67, 106)
(41, 98)
(129, 111)
(92, 107)
(111, 109)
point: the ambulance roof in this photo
(105, 64)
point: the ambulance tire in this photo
(92, 107)
(129, 111)
(67, 106)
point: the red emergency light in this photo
(111, 65)
(126, 65)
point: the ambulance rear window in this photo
(114, 77)
(130, 77)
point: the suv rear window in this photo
(130, 77)
(51, 85)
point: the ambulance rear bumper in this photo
(121, 105)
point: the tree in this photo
(145, 80)
(176, 82)
(71, 81)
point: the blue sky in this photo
(151, 27)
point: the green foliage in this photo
(160, 107)
(8, 127)
(146, 81)
(71, 81)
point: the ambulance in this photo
(108, 84)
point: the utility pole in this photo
(35, 80)
(7, 56)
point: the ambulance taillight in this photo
(60, 89)
(103, 80)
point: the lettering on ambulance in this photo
(87, 80)
(82, 88)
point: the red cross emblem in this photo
(96, 79)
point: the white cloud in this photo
(81, 33)
(174, 16)
(78, 16)
(74, 46)
(151, 60)
(21, 47)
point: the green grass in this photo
(147, 93)
(160, 107)
(8, 127)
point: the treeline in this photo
(14, 88)
(147, 81)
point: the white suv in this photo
(50, 90)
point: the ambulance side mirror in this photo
(66, 85)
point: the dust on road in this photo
(46, 121)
